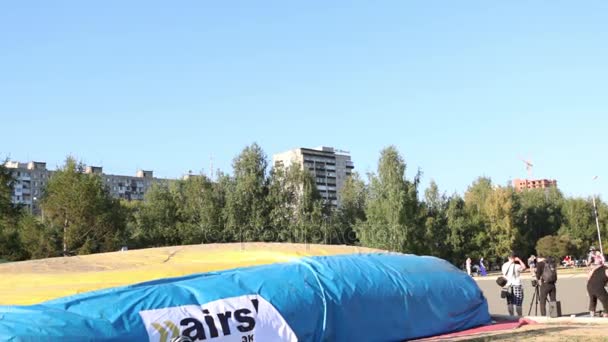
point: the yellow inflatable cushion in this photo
(35, 281)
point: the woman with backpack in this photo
(546, 274)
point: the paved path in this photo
(571, 291)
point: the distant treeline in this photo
(260, 203)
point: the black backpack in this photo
(549, 273)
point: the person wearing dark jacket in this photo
(597, 280)
(547, 282)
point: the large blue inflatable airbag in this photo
(362, 297)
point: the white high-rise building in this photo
(330, 168)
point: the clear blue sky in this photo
(462, 88)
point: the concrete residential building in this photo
(522, 184)
(31, 179)
(330, 168)
(126, 187)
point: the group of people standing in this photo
(482, 267)
(545, 272)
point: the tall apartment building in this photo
(126, 187)
(329, 167)
(31, 178)
(522, 184)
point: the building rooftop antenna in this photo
(341, 151)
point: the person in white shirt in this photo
(591, 257)
(512, 270)
(468, 265)
(598, 259)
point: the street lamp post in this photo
(597, 223)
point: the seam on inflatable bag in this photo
(306, 262)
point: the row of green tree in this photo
(259, 203)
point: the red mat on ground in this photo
(483, 329)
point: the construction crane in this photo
(529, 166)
